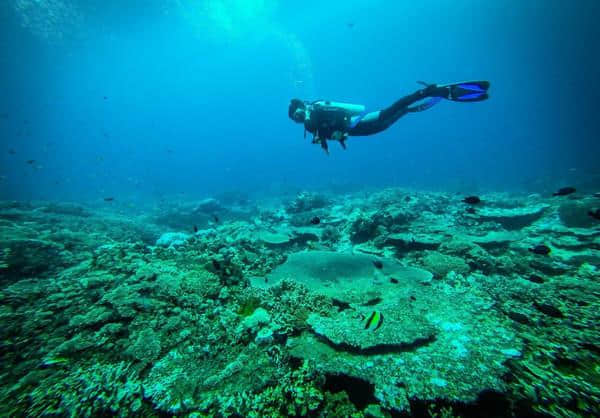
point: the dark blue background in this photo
(196, 99)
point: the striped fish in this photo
(374, 321)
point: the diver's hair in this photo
(295, 104)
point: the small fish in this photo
(564, 191)
(195, 228)
(30, 162)
(407, 199)
(350, 25)
(540, 249)
(595, 214)
(315, 220)
(374, 321)
(109, 199)
(12, 151)
(394, 280)
(535, 278)
(378, 264)
(472, 200)
(597, 194)
(471, 210)
(216, 219)
(105, 97)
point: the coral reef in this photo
(395, 302)
(306, 201)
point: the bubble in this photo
(51, 20)
(251, 22)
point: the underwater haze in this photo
(262, 208)
(140, 99)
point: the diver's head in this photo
(297, 111)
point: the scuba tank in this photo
(352, 109)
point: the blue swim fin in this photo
(464, 91)
(468, 91)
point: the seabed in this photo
(390, 302)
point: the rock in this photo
(375, 411)
(147, 346)
(208, 206)
(574, 213)
(459, 245)
(405, 242)
(224, 293)
(514, 218)
(29, 257)
(400, 216)
(453, 340)
(400, 328)
(172, 239)
(441, 264)
(306, 201)
(258, 318)
(497, 239)
(183, 216)
(302, 235)
(264, 336)
(364, 229)
(368, 248)
(273, 239)
(70, 209)
(345, 276)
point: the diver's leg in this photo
(376, 122)
(370, 124)
(402, 106)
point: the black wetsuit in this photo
(389, 115)
(325, 120)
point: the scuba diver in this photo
(336, 121)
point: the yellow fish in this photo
(374, 321)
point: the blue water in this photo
(162, 98)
